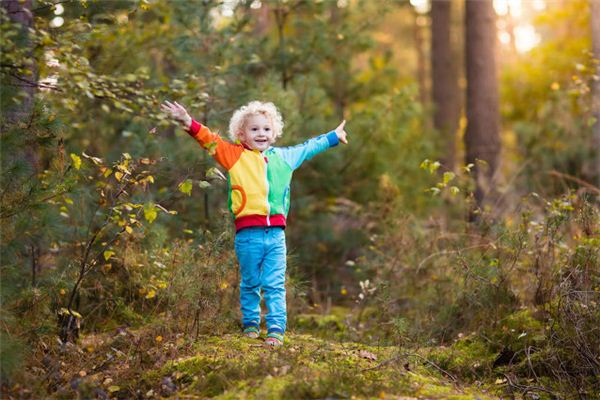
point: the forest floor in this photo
(151, 363)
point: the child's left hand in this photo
(341, 133)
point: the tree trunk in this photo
(19, 11)
(482, 138)
(340, 73)
(445, 92)
(595, 22)
(263, 23)
(421, 58)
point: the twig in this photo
(526, 388)
(393, 359)
(35, 84)
(574, 179)
(443, 252)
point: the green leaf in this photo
(448, 176)
(591, 121)
(76, 160)
(186, 187)
(204, 184)
(150, 212)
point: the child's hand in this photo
(177, 112)
(341, 133)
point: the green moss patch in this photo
(233, 367)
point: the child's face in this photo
(257, 132)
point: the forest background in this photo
(463, 215)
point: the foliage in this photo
(547, 103)
(113, 218)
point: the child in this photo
(259, 199)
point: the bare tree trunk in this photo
(339, 73)
(482, 138)
(445, 92)
(19, 11)
(280, 20)
(421, 63)
(595, 22)
(263, 23)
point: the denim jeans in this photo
(262, 256)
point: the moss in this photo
(468, 358)
(231, 367)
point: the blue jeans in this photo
(262, 257)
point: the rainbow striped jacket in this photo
(259, 183)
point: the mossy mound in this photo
(233, 367)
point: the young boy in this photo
(259, 198)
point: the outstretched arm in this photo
(341, 133)
(224, 152)
(177, 112)
(296, 155)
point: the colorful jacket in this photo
(259, 183)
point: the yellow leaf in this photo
(76, 160)
(113, 388)
(161, 284)
(344, 291)
(158, 339)
(151, 294)
(186, 187)
(119, 175)
(62, 292)
(150, 212)
(128, 229)
(108, 254)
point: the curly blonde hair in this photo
(236, 124)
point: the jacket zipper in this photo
(268, 189)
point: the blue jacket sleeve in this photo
(294, 156)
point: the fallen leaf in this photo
(367, 355)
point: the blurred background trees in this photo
(109, 211)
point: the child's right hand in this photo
(177, 112)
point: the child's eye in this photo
(255, 129)
(267, 129)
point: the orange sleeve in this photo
(224, 152)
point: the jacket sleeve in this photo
(296, 155)
(223, 152)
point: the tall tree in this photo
(419, 22)
(482, 138)
(445, 92)
(23, 76)
(595, 22)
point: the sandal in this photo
(251, 332)
(274, 339)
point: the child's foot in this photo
(274, 339)
(251, 332)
